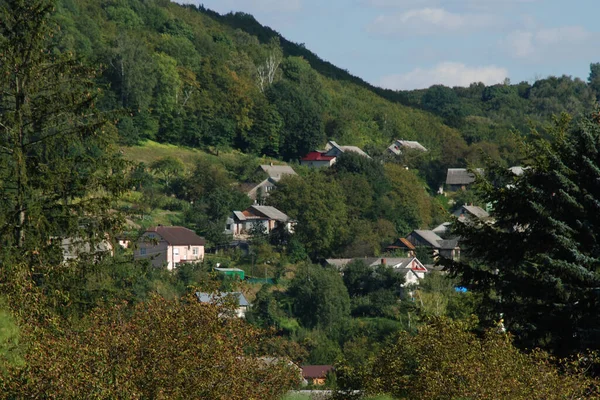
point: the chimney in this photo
(383, 261)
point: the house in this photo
(169, 246)
(277, 171)
(327, 157)
(471, 213)
(334, 149)
(241, 223)
(412, 269)
(75, 248)
(241, 303)
(447, 248)
(316, 374)
(317, 159)
(264, 188)
(460, 178)
(398, 145)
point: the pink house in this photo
(169, 246)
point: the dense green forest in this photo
(118, 115)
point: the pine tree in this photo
(58, 167)
(538, 263)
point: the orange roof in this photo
(408, 244)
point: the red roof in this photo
(316, 156)
(316, 371)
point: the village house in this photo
(169, 246)
(398, 146)
(412, 269)
(241, 303)
(460, 178)
(76, 248)
(316, 375)
(264, 188)
(327, 157)
(470, 213)
(447, 248)
(266, 218)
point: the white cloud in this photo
(427, 21)
(541, 43)
(446, 73)
(250, 6)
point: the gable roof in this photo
(277, 171)
(342, 149)
(409, 144)
(461, 176)
(178, 235)
(475, 211)
(261, 213)
(398, 263)
(212, 297)
(316, 371)
(429, 236)
(316, 156)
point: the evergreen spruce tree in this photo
(59, 169)
(538, 263)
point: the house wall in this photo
(152, 246)
(318, 164)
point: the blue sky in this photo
(410, 44)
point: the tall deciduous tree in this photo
(59, 169)
(538, 264)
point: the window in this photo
(228, 227)
(195, 251)
(175, 251)
(143, 251)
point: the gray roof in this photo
(517, 170)
(429, 236)
(212, 297)
(477, 211)
(277, 171)
(460, 176)
(331, 144)
(448, 244)
(395, 262)
(409, 144)
(271, 212)
(442, 228)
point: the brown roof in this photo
(316, 371)
(178, 235)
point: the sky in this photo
(413, 44)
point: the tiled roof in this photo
(316, 371)
(178, 235)
(317, 156)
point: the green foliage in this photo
(536, 265)
(111, 355)
(447, 361)
(320, 298)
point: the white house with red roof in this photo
(169, 246)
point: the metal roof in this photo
(212, 297)
(460, 176)
(277, 171)
(409, 144)
(271, 213)
(429, 236)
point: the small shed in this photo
(233, 272)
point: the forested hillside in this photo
(188, 76)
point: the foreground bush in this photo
(445, 360)
(160, 349)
